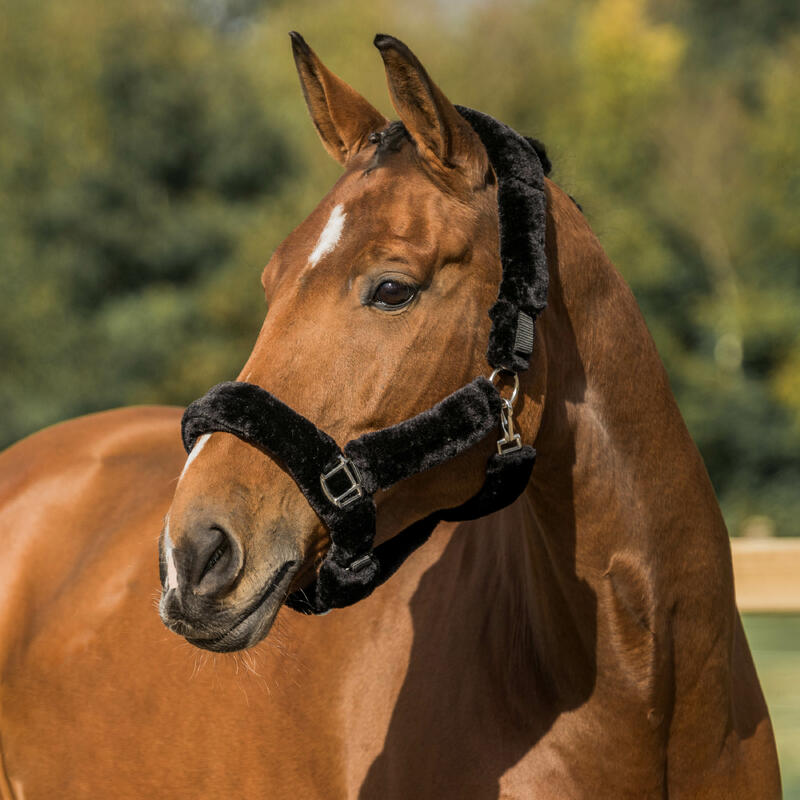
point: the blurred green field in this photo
(775, 642)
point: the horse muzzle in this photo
(200, 581)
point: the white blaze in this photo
(172, 570)
(330, 235)
(198, 446)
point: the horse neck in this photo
(618, 541)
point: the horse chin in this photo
(248, 625)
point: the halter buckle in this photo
(345, 488)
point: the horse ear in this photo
(342, 117)
(441, 134)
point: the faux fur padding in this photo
(506, 478)
(522, 209)
(258, 417)
(452, 426)
(382, 457)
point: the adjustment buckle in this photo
(342, 484)
(504, 447)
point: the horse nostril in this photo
(213, 559)
(222, 549)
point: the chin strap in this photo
(339, 484)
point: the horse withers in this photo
(581, 642)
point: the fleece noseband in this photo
(339, 483)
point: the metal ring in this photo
(515, 392)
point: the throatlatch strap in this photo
(506, 479)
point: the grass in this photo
(775, 642)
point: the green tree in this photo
(118, 223)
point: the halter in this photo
(339, 483)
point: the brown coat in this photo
(583, 642)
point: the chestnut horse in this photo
(582, 642)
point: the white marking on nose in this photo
(198, 446)
(172, 570)
(330, 235)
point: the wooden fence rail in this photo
(767, 574)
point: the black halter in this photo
(339, 484)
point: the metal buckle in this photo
(511, 442)
(514, 391)
(350, 493)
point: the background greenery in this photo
(775, 642)
(154, 152)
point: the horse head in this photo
(377, 310)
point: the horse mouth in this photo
(253, 623)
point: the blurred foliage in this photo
(154, 152)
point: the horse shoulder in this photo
(70, 495)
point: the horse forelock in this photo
(390, 140)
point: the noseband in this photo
(339, 484)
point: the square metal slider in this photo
(509, 444)
(342, 484)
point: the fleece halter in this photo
(339, 483)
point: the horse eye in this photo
(393, 294)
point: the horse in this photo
(583, 641)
